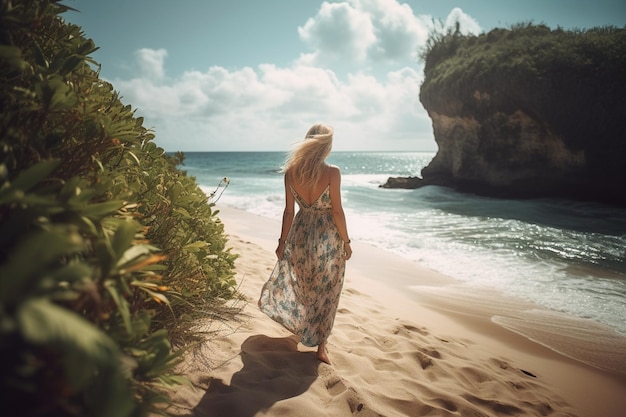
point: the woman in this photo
(303, 291)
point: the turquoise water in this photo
(564, 255)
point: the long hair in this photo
(306, 161)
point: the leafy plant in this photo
(108, 252)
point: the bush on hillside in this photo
(570, 80)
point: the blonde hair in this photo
(306, 161)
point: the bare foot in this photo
(321, 353)
(321, 356)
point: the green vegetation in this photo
(571, 81)
(520, 55)
(108, 253)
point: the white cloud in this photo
(151, 62)
(339, 31)
(398, 30)
(370, 32)
(269, 107)
(467, 24)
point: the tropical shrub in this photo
(108, 253)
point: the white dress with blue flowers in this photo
(303, 290)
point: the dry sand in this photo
(407, 341)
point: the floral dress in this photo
(303, 290)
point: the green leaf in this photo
(122, 238)
(105, 255)
(71, 63)
(175, 380)
(131, 254)
(31, 259)
(156, 296)
(156, 358)
(175, 191)
(12, 56)
(135, 158)
(40, 59)
(84, 348)
(122, 304)
(99, 210)
(91, 361)
(184, 213)
(87, 48)
(57, 94)
(196, 246)
(27, 179)
(58, 283)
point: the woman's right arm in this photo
(287, 219)
(338, 214)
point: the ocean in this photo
(568, 256)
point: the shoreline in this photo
(406, 341)
(428, 287)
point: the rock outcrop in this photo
(513, 119)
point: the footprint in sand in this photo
(334, 384)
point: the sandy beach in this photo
(407, 341)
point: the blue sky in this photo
(253, 75)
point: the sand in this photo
(407, 341)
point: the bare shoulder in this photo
(287, 177)
(334, 170)
(334, 174)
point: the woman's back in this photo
(306, 192)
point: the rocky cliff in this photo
(528, 112)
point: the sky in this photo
(254, 75)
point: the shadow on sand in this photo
(273, 370)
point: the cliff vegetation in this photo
(528, 111)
